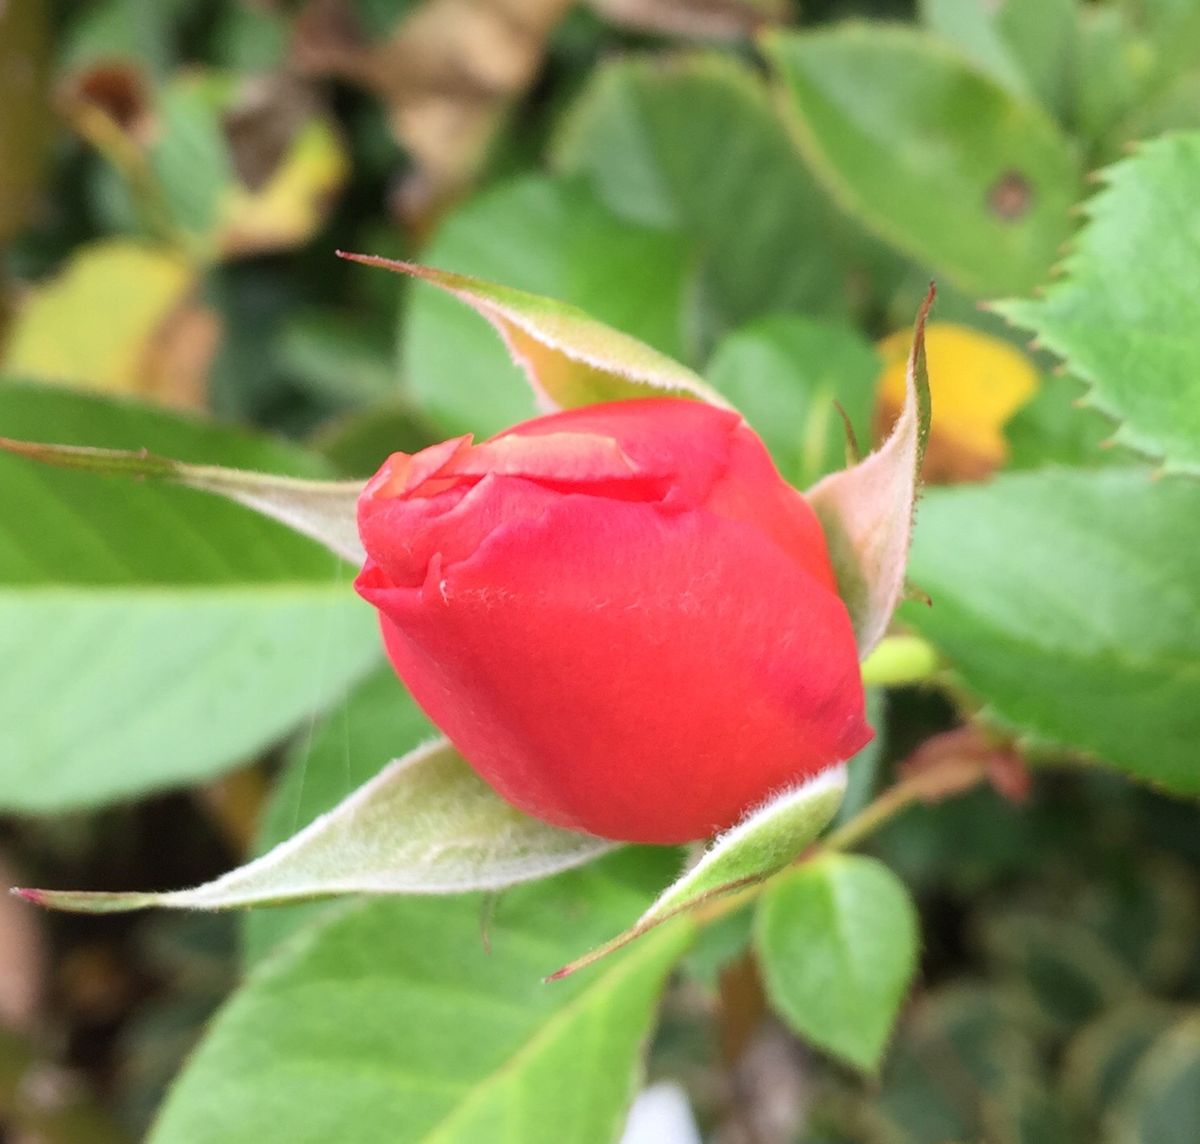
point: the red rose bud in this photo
(621, 615)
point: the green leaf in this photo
(553, 239)
(966, 844)
(1100, 1059)
(250, 40)
(763, 843)
(321, 510)
(1020, 42)
(1174, 28)
(378, 721)
(936, 157)
(1062, 971)
(94, 323)
(345, 362)
(717, 946)
(788, 375)
(1125, 315)
(1161, 1101)
(426, 824)
(122, 30)
(1054, 427)
(392, 1023)
(1175, 107)
(359, 442)
(997, 1087)
(837, 941)
(644, 134)
(867, 509)
(1070, 603)
(158, 635)
(1113, 75)
(1147, 914)
(190, 158)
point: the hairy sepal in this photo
(426, 824)
(867, 510)
(569, 358)
(763, 843)
(321, 510)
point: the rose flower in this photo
(622, 616)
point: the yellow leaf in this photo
(293, 204)
(977, 382)
(217, 167)
(99, 322)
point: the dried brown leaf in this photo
(447, 77)
(953, 762)
(697, 19)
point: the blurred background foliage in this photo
(759, 189)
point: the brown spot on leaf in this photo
(117, 89)
(1010, 196)
(262, 124)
